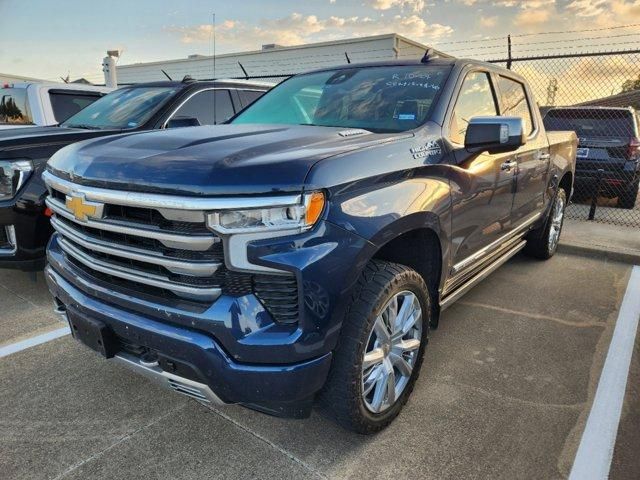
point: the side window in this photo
(474, 100)
(13, 107)
(200, 106)
(65, 104)
(515, 102)
(249, 96)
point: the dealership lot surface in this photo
(504, 393)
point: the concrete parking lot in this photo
(504, 392)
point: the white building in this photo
(10, 78)
(276, 60)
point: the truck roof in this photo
(441, 61)
(58, 86)
(592, 107)
(216, 83)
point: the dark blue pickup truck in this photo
(301, 252)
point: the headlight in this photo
(286, 217)
(13, 174)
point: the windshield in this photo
(591, 123)
(380, 99)
(123, 109)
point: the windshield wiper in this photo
(84, 126)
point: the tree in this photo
(630, 85)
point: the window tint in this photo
(515, 102)
(588, 122)
(200, 106)
(249, 96)
(474, 100)
(379, 99)
(13, 106)
(65, 104)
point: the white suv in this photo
(29, 104)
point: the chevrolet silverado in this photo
(299, 254)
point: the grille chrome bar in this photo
(197, 269)
(158, 281)
(158, 201)
(185, 242)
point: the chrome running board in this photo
(485, 272)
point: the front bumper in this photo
(24, 214)
(233, 346)
(198, 366)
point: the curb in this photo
(631, 257)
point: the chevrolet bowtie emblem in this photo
(83, 209)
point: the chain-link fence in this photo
(595, 95)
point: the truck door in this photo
(532, 158)
(482, 183)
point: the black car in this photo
(24, 218)
(608, 156)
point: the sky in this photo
(49, 39)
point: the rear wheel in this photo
(382, 344)
(627, 199)
(543, 242)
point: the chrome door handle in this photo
(508, 165)
(544, 156)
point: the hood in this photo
(218, 160)
(26, 138)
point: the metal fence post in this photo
(594, 194)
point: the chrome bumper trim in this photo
(185, 386)
(10, 231)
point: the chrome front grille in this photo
(159, 247)
(144, 244)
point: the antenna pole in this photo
(213, 30)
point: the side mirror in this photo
(179, 122)
(495, 134)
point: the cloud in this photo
(587, 8)
(488, 22)
(530, 18)
(297, 29)
(415, 6)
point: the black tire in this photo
(538, 244)
(627, 199)
(342, 396)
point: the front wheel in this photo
(382, 344)
(543, 242)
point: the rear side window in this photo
(14, 109)
(247, 97)
(515, 102)
(68, 103)
(200, 106)
(592, 122)
(475, 99)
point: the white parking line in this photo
(593, 459)
(33, 341)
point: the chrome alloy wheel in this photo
(391, 351)
(556, 223)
